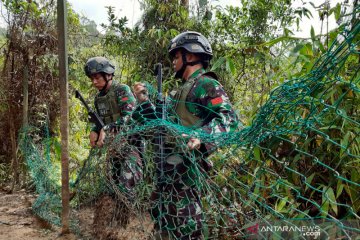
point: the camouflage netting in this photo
(296, 165)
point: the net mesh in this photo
(297, 164)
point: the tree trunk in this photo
(14, 160)
(26, 93)
(12, 133)
(64, 113)
(25, 122)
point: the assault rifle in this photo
(92, 115)
(160, 114)
(94, 118)
(160, 135)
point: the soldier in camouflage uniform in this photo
(114, 103)
(200, 103)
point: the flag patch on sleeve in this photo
(216, 101)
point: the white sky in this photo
(305, 23)
(95, 10)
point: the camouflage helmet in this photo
(192, 42)
(98, 65)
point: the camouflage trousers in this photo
(123, 172)
(176, 202)
(126, 171)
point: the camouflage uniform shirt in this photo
(176, 206)
(125, 100)
(208, 101)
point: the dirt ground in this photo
(17, 222)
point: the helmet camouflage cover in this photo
(98, 65)
(192, 42)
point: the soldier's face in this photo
(98, 81)
(177, 61)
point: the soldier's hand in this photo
(141, 92)
(193, 143)
(101, 139)
(93, 137)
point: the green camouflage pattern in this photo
(124, 166)
(209, 101)
(277, 171)
(176, 207)
(125, 103)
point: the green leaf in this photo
(331, 195)
(339, 189)
(277, 40)
(230, 67)
(354, 175)
(173, 32)
(256, 191)
(307, 50)
(257, 153)
(297, 23)
(352, 162)
(298, 48)
(350, 193)
(159, 33)
(330, 127)
(218, 63)
(321, 46)
(312, 33)
(325, 202)
(344, 143)
(337, 11)
(57, 147)
(307, 13)
(309, 180)
(312, 4)
(287, 31)
(303, 214)
(281, 204)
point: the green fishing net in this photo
(293, 173)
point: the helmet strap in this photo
(106, 84)
(104, 88)
(194, 63)
(179, 74)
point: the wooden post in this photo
(26, 93)
(25, 122)
(64, 112)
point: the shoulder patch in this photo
(216, 101)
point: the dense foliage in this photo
(255, 52)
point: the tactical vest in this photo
(107, 106)
(187, 118)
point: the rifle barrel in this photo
(80, 97)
